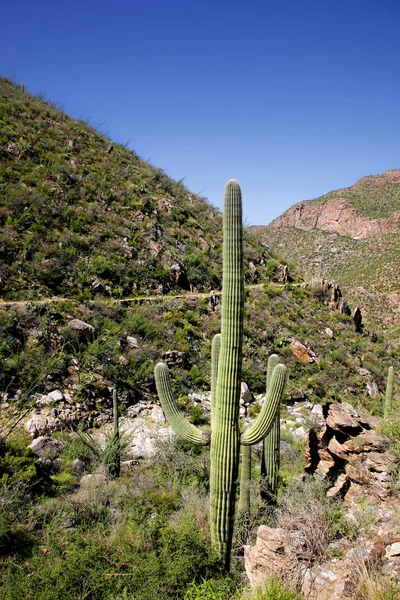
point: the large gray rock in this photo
(46, 447)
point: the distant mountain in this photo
(350, 236)
(82, 216)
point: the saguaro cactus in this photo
(271, 447)
(225, 386)
(245, 477)
(389, 394)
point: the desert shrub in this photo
(371, 584)
(212, 589)
(318, 520)
(272, 590)
(17, 463)
(196, 415)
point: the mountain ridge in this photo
(350, 236)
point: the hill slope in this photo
(82, 215)
(351, 236)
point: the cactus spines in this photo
(215, 349)
(271, 446)
(389, 394)
(265, 420)
(182, 427)
(226, 371)
(245, 477)
(224, 452)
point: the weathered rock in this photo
(78, 325)
(132, 342)
(246, 396)
(46, 447)
(142, 438)
(356, 318)
(343, 308)
(372, 388)
(301, 351)
(300, 434)
(271, 555)
(172, 358)
(157, 415)
(52, 398)
(342, 420)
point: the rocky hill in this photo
(83, 216)
(350, 236)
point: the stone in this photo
(123, 360)
(300, 434)
(38, 425)
(393, 550)
(46, 446)
(173, 358)
(79, 466)
(366, 441)
(246, 397)
(157, 415)
(341, 420)
(343, 308)
(356, 318)
(78, 325)
(132, 342)
(339, 486)
(53, 397)
(301, 351)
(329, 332)
(372, 388)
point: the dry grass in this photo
(370, 584)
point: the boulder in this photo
(46, 447)
(85, 328)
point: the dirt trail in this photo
(160, 298)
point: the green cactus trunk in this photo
(225, 444)
(226, 371)
(389, 394)
(245, 477)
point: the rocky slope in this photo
(350, 236)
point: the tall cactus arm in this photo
(224, 451)
(183, 429)
(271, 447)
(215, 349)
(115, 412)
(245, 477)
(262, 425)
(389, 394)
(272, 362)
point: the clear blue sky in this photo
(293, 98)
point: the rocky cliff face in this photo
(337, 214)
(350, 236)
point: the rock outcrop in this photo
(345, 451)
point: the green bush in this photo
(17, 463)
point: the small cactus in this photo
(389, 394)
(245, 477)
